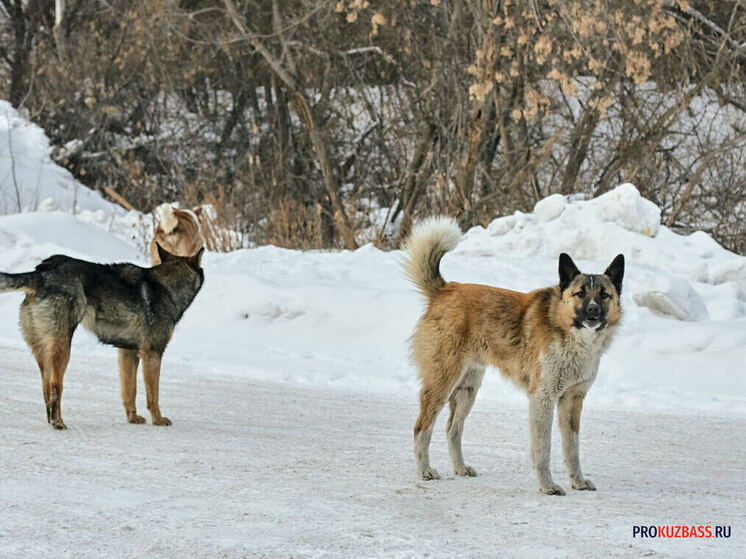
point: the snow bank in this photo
(29, 179)
(678, 268)
(684, 297)
(676, 299)
(25, 239)
(592, 228)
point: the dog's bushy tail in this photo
(429, 241)
(17, 282)
(168, 221)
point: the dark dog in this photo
(129, 307)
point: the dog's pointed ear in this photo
(615, 272)
(163, 254)
(195, 261)
(567, 270)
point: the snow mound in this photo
(676, 298)
(627, 208)
(550, 207)
(30, 180)
(27, 239)
(619, 221)
(31, 183)
(622, 221)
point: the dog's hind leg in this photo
(128, 362)
(37, 348)
(151, 371)
(461, 402)
(45, 377)
(56, 359)
(39, 356)
(48, 325)
(437, 386)
(48, 350)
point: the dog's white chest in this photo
(574, 360)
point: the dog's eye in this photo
(605, 295)
(579, 294)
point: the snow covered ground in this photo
(293, 402)
(263, 469)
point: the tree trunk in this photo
(59, 36)
(20, 57)
(411, 185)
(579, 143)
(464, 180)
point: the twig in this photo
(13, 165)
(118, 198)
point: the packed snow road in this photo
(253, 469)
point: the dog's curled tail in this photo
(429, 241)
(168, 221)
(17, 282)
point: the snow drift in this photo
(29, 179)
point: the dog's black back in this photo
(125, 305)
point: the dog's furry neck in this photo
(181, 287)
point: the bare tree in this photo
(312, 124)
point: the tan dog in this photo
(178, 231)
(548, 342)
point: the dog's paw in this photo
(465, 471)
(583, 485)
(58, 424)
(134, 418)
(163, 421)
(429, 473)
(552, 489)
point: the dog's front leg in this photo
(128, 362)
(568, 408)
(151, 372)
(541, 412)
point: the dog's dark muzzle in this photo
(593, 317)
(593, 311)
